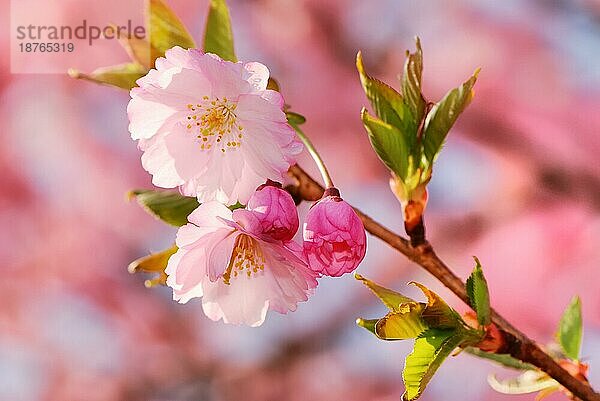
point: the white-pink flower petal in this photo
(210, 126)
(238, 265)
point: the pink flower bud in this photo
(334, 237)
(276, 211)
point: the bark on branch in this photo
(520, 346)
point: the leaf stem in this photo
(315, 155)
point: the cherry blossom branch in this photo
(518, 344)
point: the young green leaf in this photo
(479, 297)
(430, 350)
(437, 313)
(166, 29)
(443, 115)
(502, 359)
(272, 84)
(570, 329)
(367, 324)
(295, 118)
(389, 144)
(121, 76)
(153, 263)
(168, 206)
(392, 299)
(235, 206)
(218, 37)
(140, 51)
(411, 82)
(404, 324)
(387, 103)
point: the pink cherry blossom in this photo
(334, 237)
(238, 268)
(276, 211)
(210, 127)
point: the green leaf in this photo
(295, 118)
(168, 206)
(218, 37)
(121, 76)
(443, 115)
(389, 144)
(236, 205)
(166, 29)
(404, 324)
(502, 359)
(530, 381)
(392, 299)
(367, 324)
(437, 313)
(411, 82)
(430, 350)
(140, 51)
(479, 297)
(153, 263)
(570, 329)
(272, 84)
(387, 103)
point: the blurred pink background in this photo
(518, 185)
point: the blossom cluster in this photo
(212, 129)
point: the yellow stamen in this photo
(247, 255)
(215, 120)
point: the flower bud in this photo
(276, 212)
(493, 341)
(576, 368)
(334, 236)
(413, 202)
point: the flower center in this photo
(246, 257)
(215, 124)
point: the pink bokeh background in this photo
(80, 25)
(518, 185)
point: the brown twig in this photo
(520, 346)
